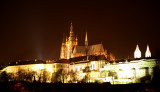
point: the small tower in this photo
(86, 45)
(86, 40)
(148, 53)
(62, 52)
(71, 34)
(137, 52)
(76, 41)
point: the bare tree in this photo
(73, 77)
(58, 76)
(113, 74)
(43, 76)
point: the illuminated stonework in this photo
(148, 53)
(128, 72)
(89, 62)
(67, 47)
(137, 53)
(116, 73)
(70, 48)
(37, 70)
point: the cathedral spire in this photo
(148, 53)
(86, 40)
(137, 53)
(71, 35)
(71, 28)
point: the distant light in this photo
(35, 60)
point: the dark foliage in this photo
(78, 87)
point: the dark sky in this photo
(34, 29)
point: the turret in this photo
(148, 53)
(76, 40)
(137, 53)
(86, 40)
(62, 52)
(71, 35)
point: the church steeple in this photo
(86, 40)
(71, 35)
(137, 53)
(71, 28)
(148, 53)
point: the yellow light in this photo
(38, 67)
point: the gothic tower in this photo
(148, 53)
(137, 53)
(68, 46)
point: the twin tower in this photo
(137, 52)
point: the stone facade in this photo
(119, 72)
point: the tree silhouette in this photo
(3, 76)
(59, 76)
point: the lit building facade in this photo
(134, 71)
(96, 68)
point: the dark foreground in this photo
(79, 87)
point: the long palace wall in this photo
(115, 73)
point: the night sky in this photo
(34, 29)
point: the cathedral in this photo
(71, 49)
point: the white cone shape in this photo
(148, 53)
(137, 52)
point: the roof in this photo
(90, 58)
(25, 62)
(131, 59)
(62, 61)
(82, 59)
(91, 50)
(98, 48)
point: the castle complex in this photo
(89, 63)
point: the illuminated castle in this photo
(88, 62)
(137, 53)
(70, 48)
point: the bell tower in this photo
(71, 42)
